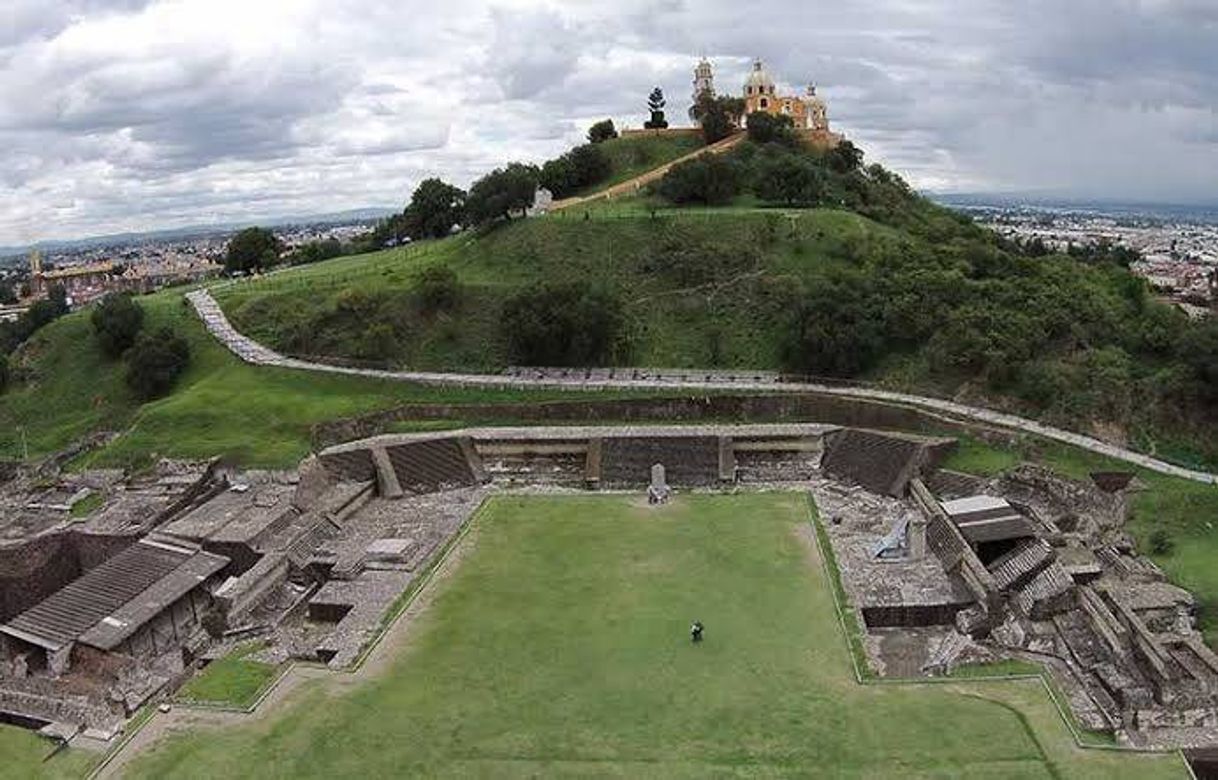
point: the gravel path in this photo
(252, 352)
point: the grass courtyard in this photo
(24, 756)
(559, 647)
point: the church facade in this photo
(807, 112)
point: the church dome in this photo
(759, 81)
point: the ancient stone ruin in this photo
(107, 609)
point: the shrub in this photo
(438, 289)
(602, 131)
(117, 321)
(378, 342)
(562, 325)
(1161, 542)
(581, 167)
(764, 128)
(43, 312)
(155, 362)
(317, 251)
(1199, 351)
(4, 372)
(793, 180)
(710, 179)
(836, 330)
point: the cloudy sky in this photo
(138, 114)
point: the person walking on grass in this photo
(695, 631)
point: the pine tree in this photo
(655, 105)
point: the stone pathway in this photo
(252, 352)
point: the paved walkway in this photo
(252, 352)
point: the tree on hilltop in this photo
(434, 208)
(765, 128)
(117, 321)
(501, 192)
(845, 157)
(710, 179)
(582, 166)
(718, 116)
(655, 106)
(602, 131)
(316, 251)
(252, 249)
(790, 179)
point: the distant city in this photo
(90, 268)
(1177, 245)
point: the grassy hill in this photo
(674, 273)
(873, 284)
(635, 155)
(882, 286)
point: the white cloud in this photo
(133, 114)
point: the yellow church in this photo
(808, 112)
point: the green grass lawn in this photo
(559, 647)
(233, 680)
(22, 754)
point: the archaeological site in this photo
(180, 563)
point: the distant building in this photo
(90, 281)
(82, 283)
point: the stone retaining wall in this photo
(738, 408)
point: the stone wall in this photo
(912, 615)
(736, 408)
(32, 570)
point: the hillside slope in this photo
(886, 287)
(221, 407)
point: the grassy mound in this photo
(495, 678)
(1062, 340)
(698, 290)
(637, 154)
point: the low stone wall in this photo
(661, 132)
(739, 408)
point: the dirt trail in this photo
(633, 185)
